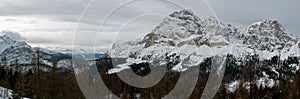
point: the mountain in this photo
(184, 37)
(268, 35)
(14, 52)
(185, 41)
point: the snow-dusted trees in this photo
(5, 93)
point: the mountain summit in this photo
(185, 39)
(15, 50)
(268, 35)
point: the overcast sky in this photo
(53, 22)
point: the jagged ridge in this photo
(185, 35)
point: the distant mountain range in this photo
(12, 51)
(186, 41)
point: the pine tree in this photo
(17, 65)
(2, 73)
(5, 73)
(36, 63)
(55, 85)
(4, 62)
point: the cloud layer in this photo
(13, 35)
(53, 22)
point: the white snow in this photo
(294, 67)
(118, 69)
(247, 85)
(265, 81)
(185, 30)
(232, 87)
(277, 73)
(5, 93)
(14, 50)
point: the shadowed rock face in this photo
(149, 39)
(141, 69)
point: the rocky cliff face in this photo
(268, 35)
(184, 37)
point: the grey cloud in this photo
(249, 11)
(232, 11)
(13, 35)
(17, 7)
(17, 36)
(41, 40)
(55, 10)
(13, 20)
(20, 21)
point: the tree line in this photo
(55, 84)
(36, 83)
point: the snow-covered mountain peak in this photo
(184, 14)
(191, 39)
(267, 25)
(6, 39)
(183, 27)
(6, 42)
(178, 25)
(19, 52)
(268, 35)
(181, 38)
(14, 50)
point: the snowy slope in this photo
(5, 93)
(15, 50)
(184, 39)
